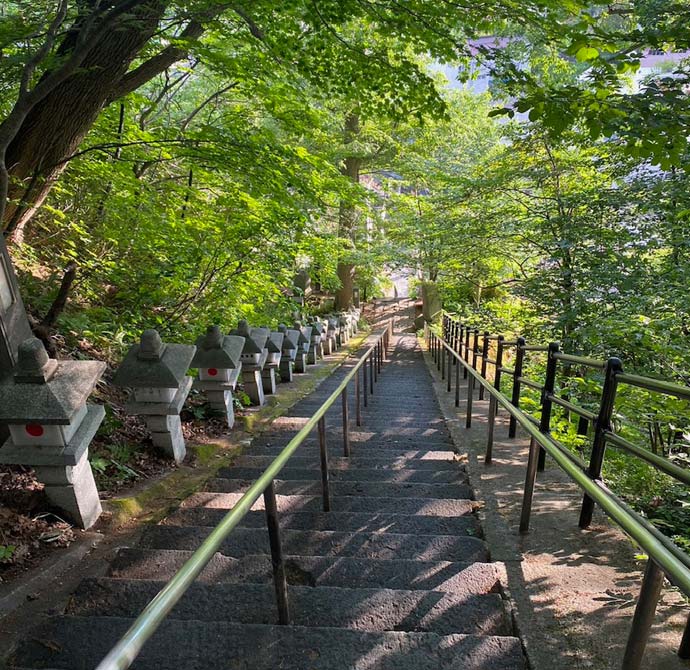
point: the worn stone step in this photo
(389, 451)
(342, 521)
(409, 475)
(366, 504)
(460, 578)
(79, 643)
(418, 460)
(375, 609)
(377, 489)
(244, 541)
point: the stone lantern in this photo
(289, 352)
(43, 403)
(343, 328)
(303, 343)
(333, 338)
(157, 373)
(254, 356)
(316, 344)
(218, 361)
(274, 344)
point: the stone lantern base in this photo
(253, 385)
(301, 363)
(286, 369)
(65, 471)
(268, 380)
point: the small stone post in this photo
(157, 373)
(218, 361)
(44, 406)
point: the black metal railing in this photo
(451, 346)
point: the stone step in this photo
(79, 643)
(244, 541)
(387, 451)
(365, 504)
(418, 460)
(376, 609)
(409, 475)
(376, 489)
(342, 521)
(460, 578)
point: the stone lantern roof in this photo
(277, 339)
(254, 338)
(291, 337)
(269, 344)
(305, 332)
(215, 350)
(154, 364)
(43, 390)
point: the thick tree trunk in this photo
(347, 217)
(55, 127)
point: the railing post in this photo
(380, 355)
(443, 361)
(279, 578)
(454, 340)
(439, 355)
(323, 451)
(603, 423)
(365, 383)
(458, 343)
(450, 365)
(358, 400)
(684, 648)
(372, 373)
(530, 478)
(643, 617)
(475, 348)
(488, 456)
(457, 382)
(485, 355)
(346, 424)
(470, 393)
(515, 399)
(546, 402)
(493, 403)
(467, 349)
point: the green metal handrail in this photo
(664, 556)
(123, 654)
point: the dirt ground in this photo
(573, 591)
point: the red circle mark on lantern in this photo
(213, 372)
(34, 429)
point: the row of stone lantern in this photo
(44, 402)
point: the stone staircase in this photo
(397, 576)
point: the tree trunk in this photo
(347, 217)
(54, 128)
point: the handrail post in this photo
(475, 348)
(485, 355)
(530, 478)
(470, 393)
(515, 399)
(346, 424)
(443, 360)
(493, 403)
(546, 402)
(358, 400)
(379, 358)
(454, 340)
(279, 578)
(323, 452)
(457, 381)
(467, 349)
(458, 343)
(365, 383)
(684, 648)
(603, 424)
(644, 616)
(450, 365)
(372, 374)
